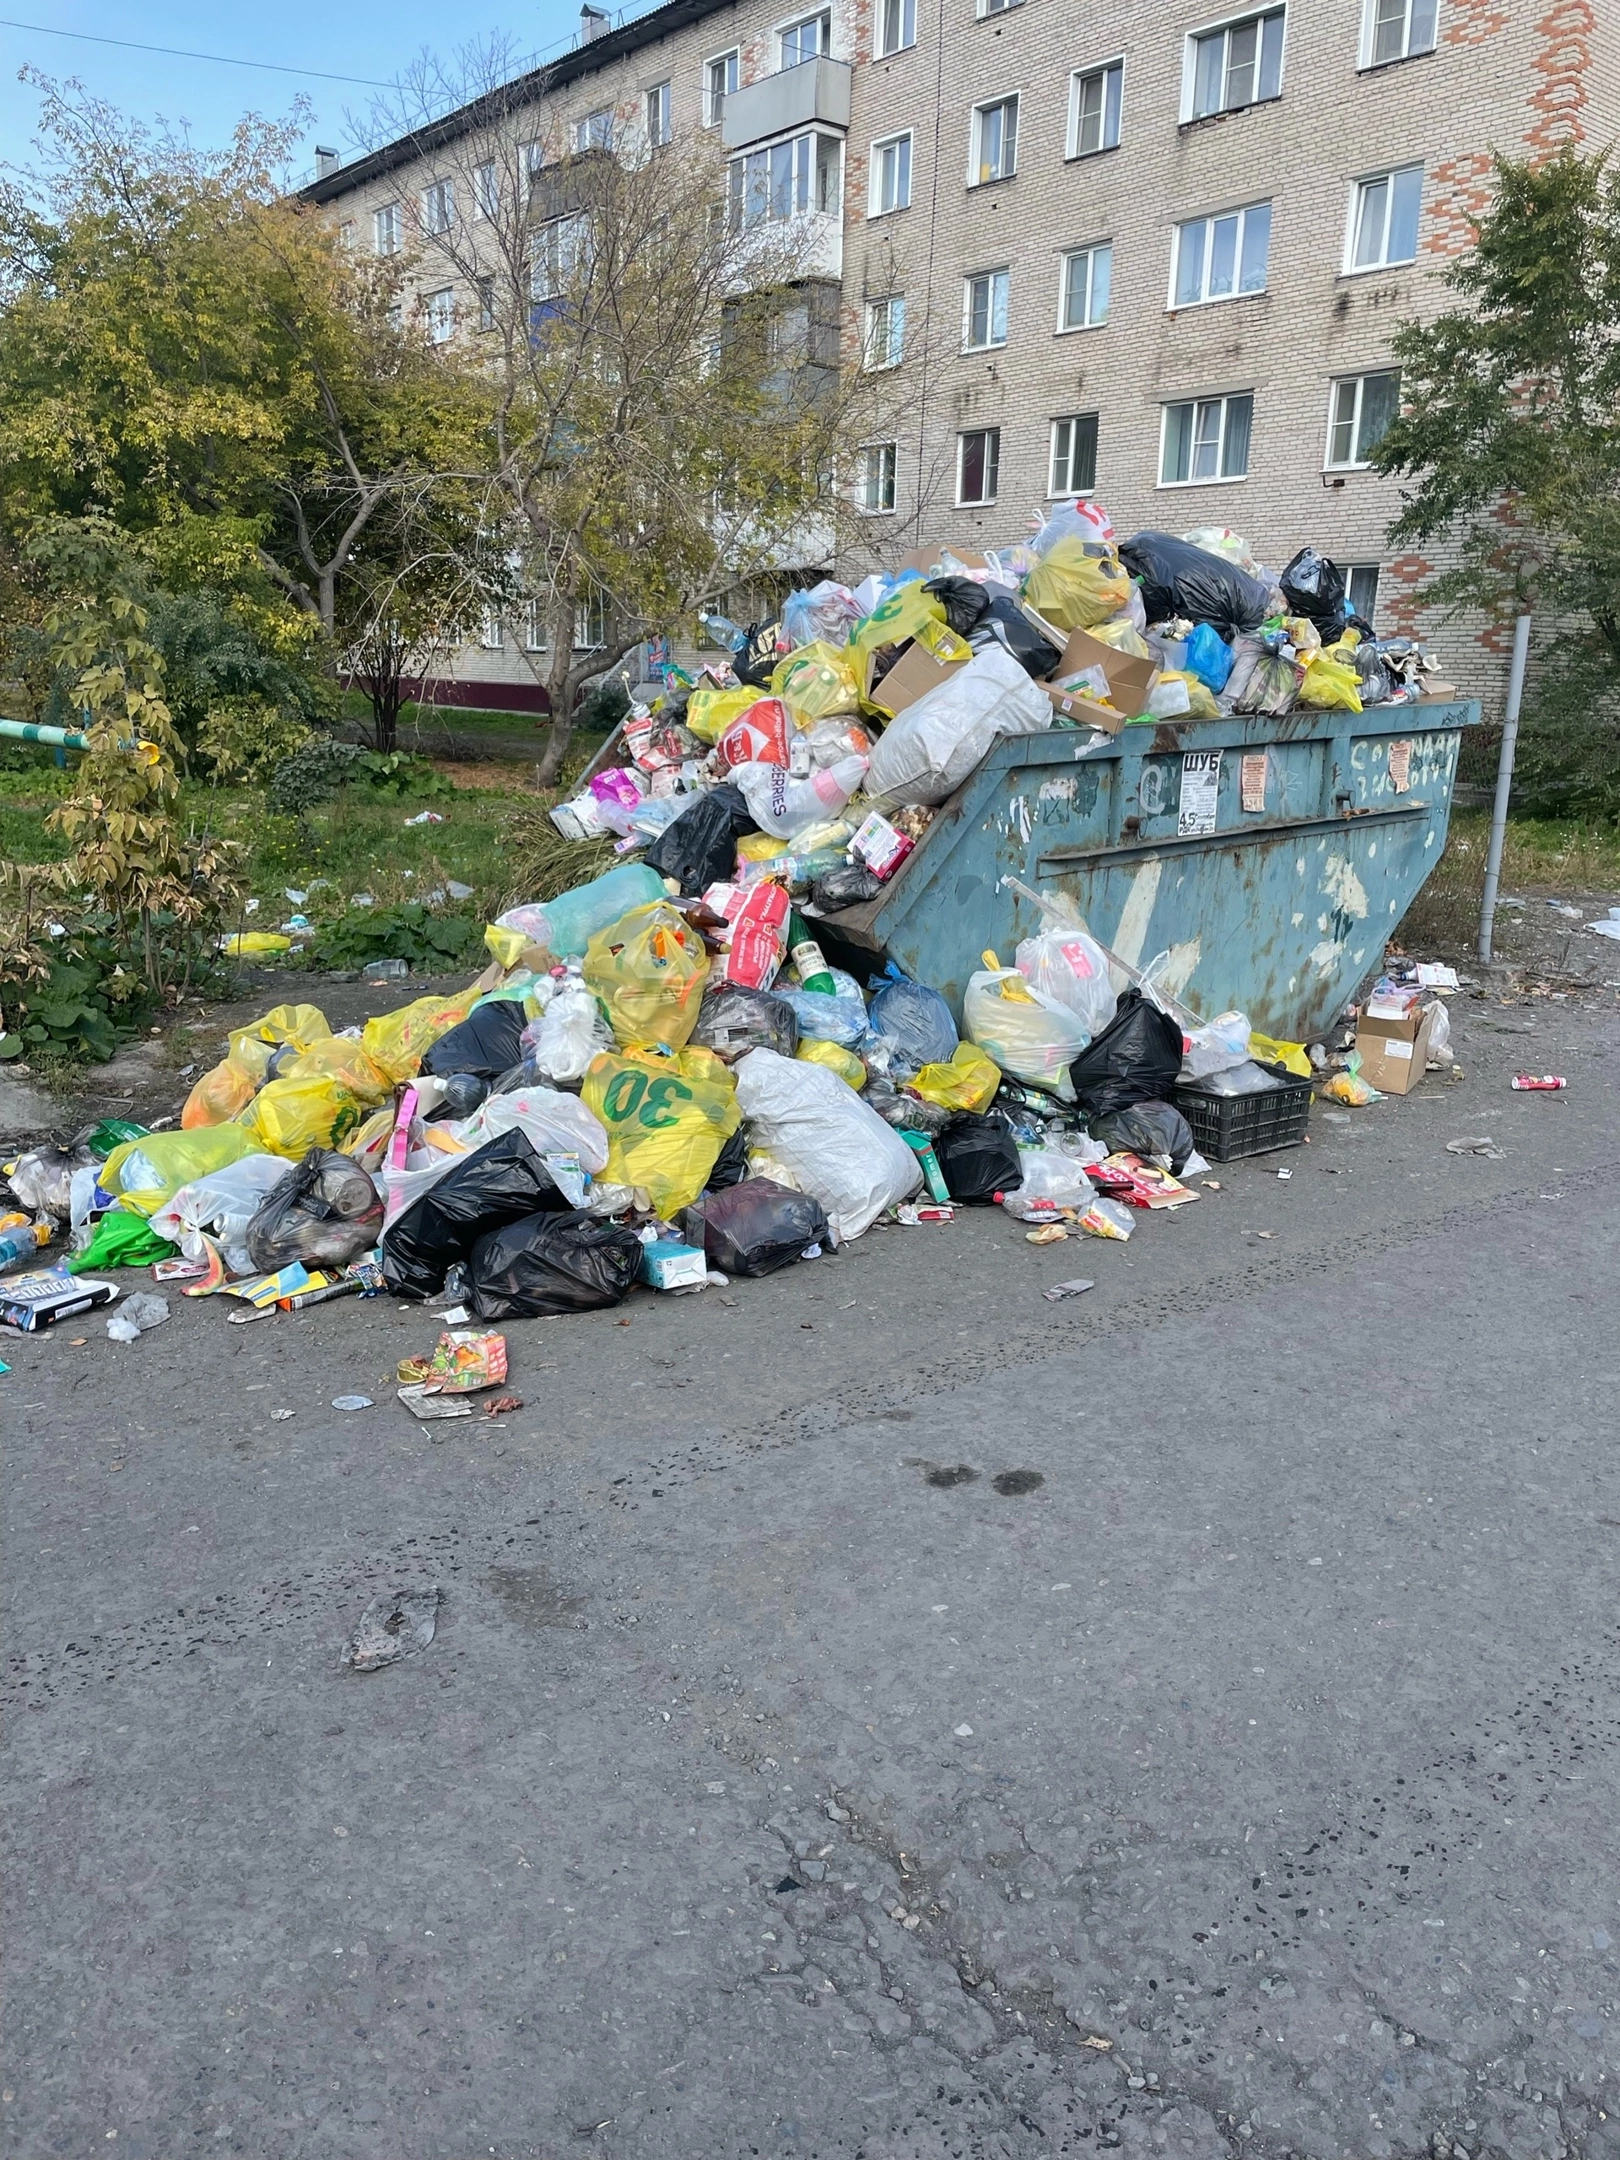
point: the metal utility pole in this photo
(1504, 782)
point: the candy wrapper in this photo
(462, 1362)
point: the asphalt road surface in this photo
(1236, 1777)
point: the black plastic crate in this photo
(1225, 1127)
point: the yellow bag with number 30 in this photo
(667, 1118)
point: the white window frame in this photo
(1066, 262)
(534, 626)
(1206, 224)
(905, 23)
(438, 206)
(822, 18)
(492, 637)
(590, 622)
(658, 114)
(592, 130)
(1223, 26)
(1104, 69)
(884, 459)
(964, 436)
(1218, 479)
(487, 189)
(439, 315)
(556, 255)
(1001, 275)
(1351, 572)
(1356, 383)
(1368, 58)
(1358, 188)
(346, 235)
(385, 234)
(1054, 493)
(987, 8)
(876, 206)
(877, 359)
(714, 102)
(484, 288)
(977, 177)
(814, 142)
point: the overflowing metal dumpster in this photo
(1267, 859)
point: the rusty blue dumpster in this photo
(1270, 859)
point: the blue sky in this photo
(342, 37)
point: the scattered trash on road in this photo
(137, 1316)
(1538, 1084)
(393, 1627)
(351, 1402)
(1076, 1288)
(1478, 1144)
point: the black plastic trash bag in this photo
(1147, 1128)
(914, 1018)
(732, 1020)
(845, 887)
(756, 1227)
(325, 1212)
(1180, 579)
(487, 1042)
(700, 848)
(1313, 586)
(965, 601)
(552, 1262)
(978, 1157)
(730, 1165)
(494, 1185)
(757, 660)
(1023, 638)
(1136, 1058)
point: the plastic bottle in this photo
(566, 925)
(25, 1242)
(724, 632)
(809, 961)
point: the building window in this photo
(556, 257)
(438, 206)
(487, 189)
(1205, 439)
(590, 623)
(660, 115)
(1094, 100)
(439, 314)
(1220, 257)
(385, 229)
(897, 26)
(1361, 589)
(486, 302)
(1396, 29)
(978, 466)
(534, 626)
(1384, 219)
(995, 142)
(1074, 454)
(346, 235)
(1083, 299)
(996, 7)
(1239, 64)
(876, 487)
(594, 131)
(1359, 416)
(984, 310)
(805, 40)
(534, 158)
(891, 176)
(786, 180)
(494, 632)
(720, 78)
(885, 333)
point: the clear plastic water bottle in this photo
(24, 1242)
(724, 632)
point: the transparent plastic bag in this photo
(915, 1019)
(1026, 1032)
(560, 1045)
(648, 969)
(341, 1058)
(1071, 968)
(839, 1018)
(1216, 1046)
(1049, 1181)
(220, 1206)
(785, 807)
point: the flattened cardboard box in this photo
(1129, 680)
(914, 674)
(1394, 1053)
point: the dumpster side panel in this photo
(1270, 859)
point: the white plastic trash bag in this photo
(223, 1204)
(556, 1124)
(784, 807)
(926, 754)
(817, 1127)
(1025, 1032)
(1071, 968)
(569, 1033)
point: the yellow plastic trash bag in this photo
(348, 1062)
(836, 1059)
(223, 1090)
(666, 1118)
(761, 846)
(1201, 703)
(1329, 685)
(1268, 1050)
(968, 1082)
(397, 1041)
(1077, 584)
(288, 1117)
(507, 946)
(710, 712)
(818, 682)
(252, 1047)
(145, 1173)
(1124, 637)
(369, 1143)
(905, 614)
(647, 971)
(250, 944)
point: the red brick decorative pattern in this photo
(1561, 64)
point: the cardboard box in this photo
(926, 560)
(667, 1264)
(1129, 682)
(1394, 1053)
(914, 674)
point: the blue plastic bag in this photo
(840, 1018)
(915, 1019)
(1209, 657)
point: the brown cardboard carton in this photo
(1394, 1053)
(926, 560)
(1129, 681)
(914, 674)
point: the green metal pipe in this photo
(27, 731)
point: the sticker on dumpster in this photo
(1253, 773)
(1200, 783)
(1400, 766)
